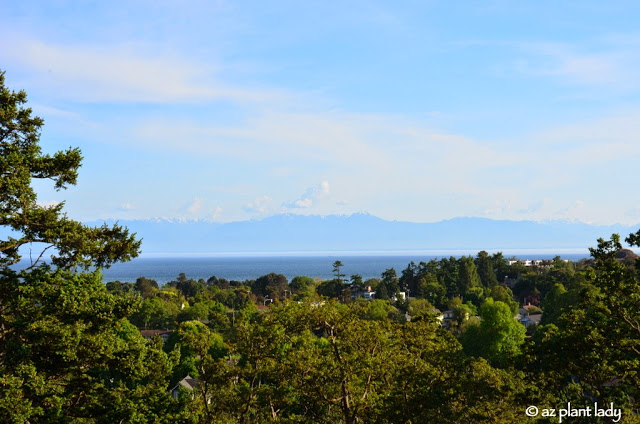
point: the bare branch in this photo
(33, 264)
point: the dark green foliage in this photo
(501, 267)
(331, 288)
(357, 282)
(560, 300)
(595, 342)
(219, 282)
(468, 277)
(408, 280)
(485, 264)
(146, 287)
(120, 287)
(188, 287)
(527, 289)
(67, 351)
(534, 284)
(431, 289)
(271, 285)
(436, 382)
(390, 282)
(332, 363)
(382, 292)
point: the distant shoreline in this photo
(356, 253)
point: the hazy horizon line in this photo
(178, 219)
(356, 253)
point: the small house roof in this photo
(188, 383)
(535, 319)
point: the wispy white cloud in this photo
(535, 206)
(131, 72)
(379, 161)
(307, 199)
(613, 65)
(195, 205)
(259, 205)
(572, 212)
(54, 112)
(620, 129)
(126, 207)
(323, 137)
(449, 168)
(389, 164)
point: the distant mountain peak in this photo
(361, 232)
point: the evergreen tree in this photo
(447, 272)
(23, 220)
(409, 279)
(356, 281)
(468, 277)
(484, 264)
(390, 282)
(67, 352)
(337, 272)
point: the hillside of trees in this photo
(437, 343)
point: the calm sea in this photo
(165, 269)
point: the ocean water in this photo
(165, 269)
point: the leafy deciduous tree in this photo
(498, 337)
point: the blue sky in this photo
(417, 111)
